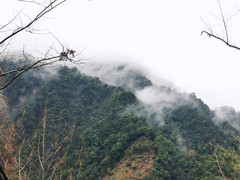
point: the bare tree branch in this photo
(224, 20)
(20, 22)
(11, 21)
(220, 39)
(2, 174)
(46, 10)
(216, 177)
(217, 161)
(52, 55)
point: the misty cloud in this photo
(28, 83)
(160, 97)
(226, 113)
(129, 77)
(181, 143)
(154, 97)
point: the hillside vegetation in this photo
(91, 131)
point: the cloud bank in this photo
(154, 98)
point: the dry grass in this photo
(137, 162)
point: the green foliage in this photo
(205, 166)
(166, 151)
(195, 127)
(108, 129)
(23, 87)
(101, 119)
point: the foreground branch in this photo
(224, 22)
(220, 39)
(67, 56)
(52, 5)
(2, 174)
(7, 76)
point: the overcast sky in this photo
(163, 36)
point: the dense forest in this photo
(69, 125)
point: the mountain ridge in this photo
(106, 118)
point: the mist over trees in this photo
(73, 126)
(105, 126)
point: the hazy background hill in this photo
(121, 118)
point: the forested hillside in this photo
(72, 126)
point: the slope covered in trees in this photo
(187, 146)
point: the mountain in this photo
(76, 126)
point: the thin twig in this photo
(219, 167)
(46, 10)
(224, 22)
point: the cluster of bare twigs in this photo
(8, 31)
(47, 60)
(52, 56)
(35, 156)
